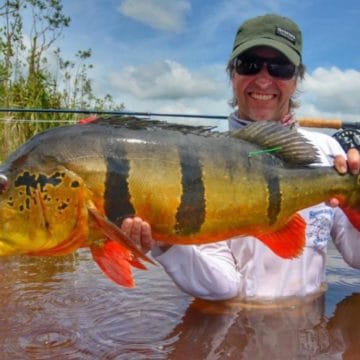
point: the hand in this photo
(352, 165)
(139, 232)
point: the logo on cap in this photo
(285, 34)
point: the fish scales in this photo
(167, 179)
(191, 212)
(144, 176)
(70, 187)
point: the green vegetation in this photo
(29, 80)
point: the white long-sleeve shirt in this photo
(245, 267)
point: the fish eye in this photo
(4, 183)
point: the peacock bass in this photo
(71, 186)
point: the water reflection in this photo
(64, 308)
(229, 331)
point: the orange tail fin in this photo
(289, 241)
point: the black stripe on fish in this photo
(273, 185)
(117, 196)
(190, 214)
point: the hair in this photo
(293, 104)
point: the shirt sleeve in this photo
(346, 239)
(205, 271)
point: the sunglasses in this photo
(278, 68)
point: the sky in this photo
(169, 56)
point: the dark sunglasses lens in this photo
(248, 67)
(281, 70)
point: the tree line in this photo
(34, 74)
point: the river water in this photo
(65, 308)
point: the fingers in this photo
(333, 202)
(126, 226)
(342, 165)
(139, 232)
(353, 160)
(352, 164)
(147, 241)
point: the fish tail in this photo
(351, 207)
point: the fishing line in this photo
(264, 151)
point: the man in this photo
(265, 67)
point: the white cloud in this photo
(332, 91)
(166, 15)
(165, 80)
(169, 87)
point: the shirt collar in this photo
(236, 123)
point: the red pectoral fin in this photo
(117, 254)
(289, 241)
(113, 232)
(114, 261)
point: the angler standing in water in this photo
(265, 68)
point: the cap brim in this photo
(291, 54)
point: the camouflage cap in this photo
(271, 30)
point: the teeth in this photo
(261, 96)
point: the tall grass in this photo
(16, 130)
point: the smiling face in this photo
(262, 96)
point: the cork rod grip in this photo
(320, 123)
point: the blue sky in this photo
(170, 55)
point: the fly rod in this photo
(303, 121)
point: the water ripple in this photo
(65, 308)
(41, 343)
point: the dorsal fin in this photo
(135, 123)
(294, 148)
